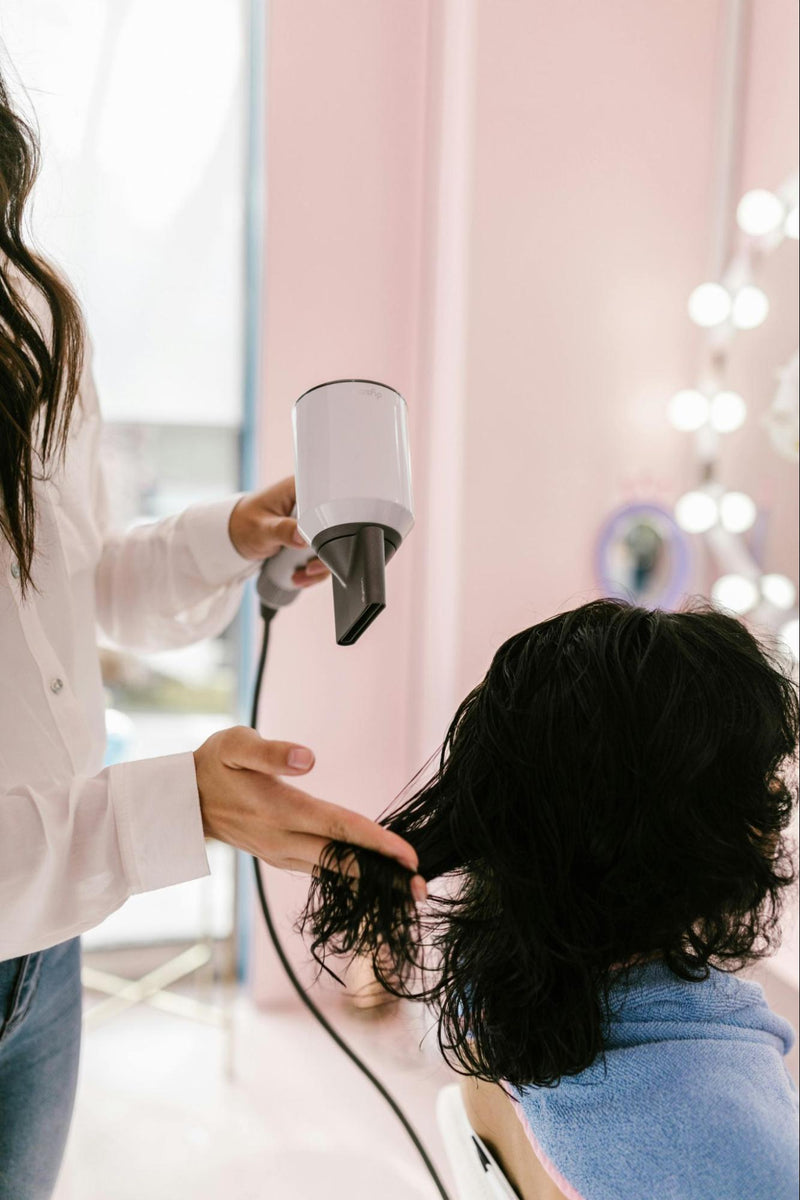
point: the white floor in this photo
(159, 1116)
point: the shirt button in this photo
(15, 570)
(56, 685)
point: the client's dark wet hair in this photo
(615, 789)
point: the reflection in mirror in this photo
(643, 556)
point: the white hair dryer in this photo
(354, 502)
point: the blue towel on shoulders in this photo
(692, 1100)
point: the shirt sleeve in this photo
(72, 853)
(168, 583)
(172, 582)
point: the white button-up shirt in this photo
(76, 840)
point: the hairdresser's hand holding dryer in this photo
(76, 839)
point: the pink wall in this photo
(593, 134)
(593, 193)
(517, 264)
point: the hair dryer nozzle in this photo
(357, 561)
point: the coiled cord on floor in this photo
(268, 614)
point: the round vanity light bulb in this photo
(696, 512)
(709, 304)
(790, 634)
(792, 224)
(750, 307)
(759, 212)
(688, 410)
(727, 412)
(737, 593)
(737, 512)
(778, 590)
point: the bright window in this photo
(141, 107)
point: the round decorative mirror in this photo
(643, 556)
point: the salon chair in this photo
(476, 1172)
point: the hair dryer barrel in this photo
(353, 479)
(352, 462)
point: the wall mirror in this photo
(643, 556)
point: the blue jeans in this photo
(40, 1036)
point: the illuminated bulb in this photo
(737, 512)
(728, 411)
(709, 304)
(790, 634)
(759, 212)
(735, 592)
(696, 512)
(779, 590)
(791, 226)
(750, 307)
(688, 410)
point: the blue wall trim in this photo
(255, 212)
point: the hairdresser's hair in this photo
(40, 367)
(615, 790)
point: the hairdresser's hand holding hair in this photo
(245, 803)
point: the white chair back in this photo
(476, 1172)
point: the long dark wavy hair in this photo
(615, 790)
(40, 367)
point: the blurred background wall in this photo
(500, 209)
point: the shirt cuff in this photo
(206, 529)
(157, 812)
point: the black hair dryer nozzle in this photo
(357, 562)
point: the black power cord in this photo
(268, 614)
